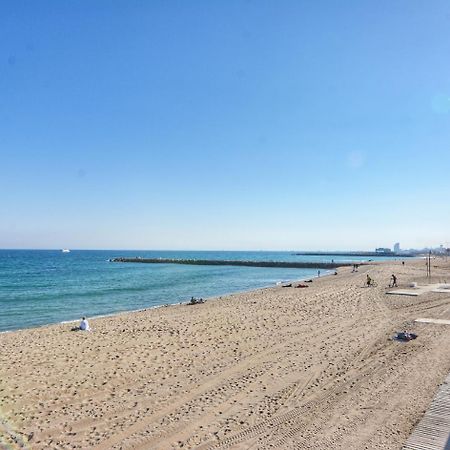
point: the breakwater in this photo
(361, 253)
(222, 262)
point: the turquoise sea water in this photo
(39, 287)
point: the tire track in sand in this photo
(279, 423)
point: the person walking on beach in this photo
(393, 281)
(318, 273)
(369, 281)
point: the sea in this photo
(41, 287)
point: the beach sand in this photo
(278, 368)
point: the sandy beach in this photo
(279, 368)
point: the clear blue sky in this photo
(224, 124)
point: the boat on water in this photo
(65, 250)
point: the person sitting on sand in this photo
(84, 325)
(195, 301)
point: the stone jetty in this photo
(224, 262)
(358, 253)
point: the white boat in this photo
(65, 250)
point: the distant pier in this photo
(360, 253)
(224, 262)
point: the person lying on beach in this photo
(195, 301)
(302, 286)
(405, 336)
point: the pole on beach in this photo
(429, 264)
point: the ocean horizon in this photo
(42, 287)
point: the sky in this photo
(235, 125)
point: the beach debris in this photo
(404, 336)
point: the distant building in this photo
(397, 247)
(383, 250)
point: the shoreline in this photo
(163, 305)
(269, 368)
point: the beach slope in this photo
(312, 368)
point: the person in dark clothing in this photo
(393, 281)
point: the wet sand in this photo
(279, 368)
